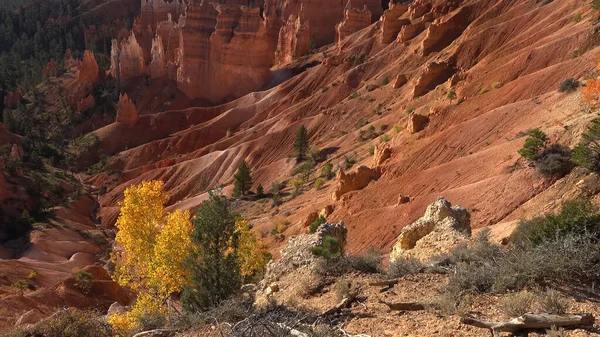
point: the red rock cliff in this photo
(355, 19)
(224, 51)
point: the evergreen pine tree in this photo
(213, 259)
(301, 143)
(242, 179)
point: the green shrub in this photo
(329, 248)
(83, 281)
(20, 286)
(587, 152)
(260, 191)
(554, 162)
(553, 302)
(534, 145)
(319, 182)
(402, 266)
(327, 171)
(569, 84)
(385, 138)
(74, 323)
(367, 263)
(451, 95)
(518, 304)
(354, 95)
(575, 217)
(315, 224)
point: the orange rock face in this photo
(435, 73)
(86, 103)
(158, 64)
(155, 11)
(224, 51)
(127, 59)
(441, 34)
(355, 19)
(417, 123)
(354, 181)
(294, 38)
(127, 113)
(391, 23)
(12, 99)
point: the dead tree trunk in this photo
(532, 321)
(407, 306)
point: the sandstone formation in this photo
(127, 59)
(434, 74)
(437, 231)
(391, 23)
(86, 103)
(88, 74)
(418, 8)
(327, 210)
(89, 71)
(155, 11)
(294, 39)
(416, 123)
(127, 112)
(12, 99)
(400, 81)
(224, 51)
(408, 32)
(355, 19)
(354, 181)
(441, 34)
(382, 153)
(158, 64)
(310, 218)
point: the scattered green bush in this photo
(552, 162)
(20, 286)
(403, 266)
(327, 171)
(577, 217)
(554, 249)
(83, 281)
(315, 224)
(73, 323)
(534, 145)
(329, 248)
(368, 263)
(518, 304)
(555, 162)
(553, 302)
(319, 182)
(569, 84)
(587, 152)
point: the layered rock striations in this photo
(294, 39)
(155, 11)
(355, 19)
(127, 59)
(392, 23)
(224, 51)
(127, 113)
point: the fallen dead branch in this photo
(532, 321)
(384, 283)
(345, 302)
(407, 306)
